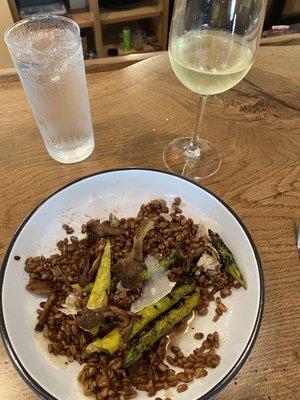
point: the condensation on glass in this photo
(47, 53)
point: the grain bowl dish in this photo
(117, 296)
(130, 284)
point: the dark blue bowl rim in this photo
(36, 387)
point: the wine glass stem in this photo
(194, 149)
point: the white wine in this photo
(210, 61)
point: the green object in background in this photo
(127, 39)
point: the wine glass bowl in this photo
(212, 46)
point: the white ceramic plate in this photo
(122, 192)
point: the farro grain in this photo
(182, 388)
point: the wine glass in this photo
(212, 46)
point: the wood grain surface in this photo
(8, 75)
(136, 112)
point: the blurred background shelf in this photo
(145, 9)
(102, 21)
(98, 15)
(84, 19)
(121, 52)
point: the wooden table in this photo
(136, 112)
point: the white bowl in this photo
(122, 192)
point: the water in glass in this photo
(50, 65)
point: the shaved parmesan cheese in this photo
(206, 224)
(208, 262)
(214, 251)
(121, 288)
(157, 286)
(166, 216)
(68, 307)
(155, 289)
(152, 265)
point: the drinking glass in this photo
(212, 45)
(47, 53)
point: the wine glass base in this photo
(195, 165)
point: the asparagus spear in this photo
(153, 311)
(161, 328)
(227, 258)
(109, 344)
(89, 287)
(148, 314)
(164, 263)
(86, 289)
(167, 261)
(99, 294)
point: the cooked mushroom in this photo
(41, 287)
(103, 229)
(44, 315)
(106, 329)
(88, 319)
(114, 221)
(85, 276)
(126, 330)
(90, 271)
(127, 269)
(186, 261)
(179, 256)
(95, 229)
